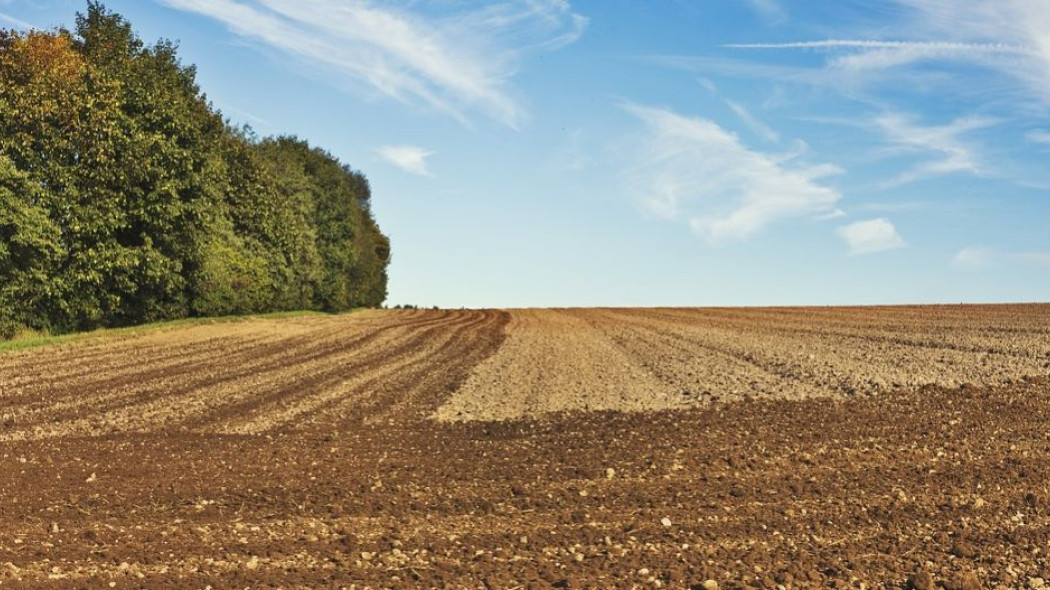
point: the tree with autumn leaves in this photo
(125, 197)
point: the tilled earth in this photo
(305, 453)
(651, 359)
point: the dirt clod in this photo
(964, 549)
(963, 581)
(920, 581)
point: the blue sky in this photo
(680, 152)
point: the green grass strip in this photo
(33, 340)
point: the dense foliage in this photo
(126, 198)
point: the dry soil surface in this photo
(646, 359)
(798, 449)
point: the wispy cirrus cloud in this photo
(692, 170)
(1007, 37)
(1038, 136)
(836, 214)
(458, 60)
(17, 22)
(853, 59)
(974, 258)
(753, 123)
(410, 158)
(980, 258)
(1041, 259)
(895, 206)
(770, 10)
(870, 237)
(991, 57)
(933, 150)
(952, 154)
(919, 47)
(1016, 22)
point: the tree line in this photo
(126, 197)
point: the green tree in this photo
(128, 198)
(353, 253)
(30, 251)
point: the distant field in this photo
(645, 359)
(655, 448)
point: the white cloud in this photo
(868, 237)
(836, 214)
(455, 62)
(1036, 258)
(409, 158)
(973, 258)
(954, 154)
(691, 169)
(227, 109)
(741, 112)
(18, 23)
(753, 123)
(1038, 136)
(1023, 23)
(976, 258)
(770, 10)
(920, 47)
(853, 63)
(895, 207)
(1008, 37)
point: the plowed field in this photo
(896, 447)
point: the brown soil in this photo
(646, 359)
(298, 453)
